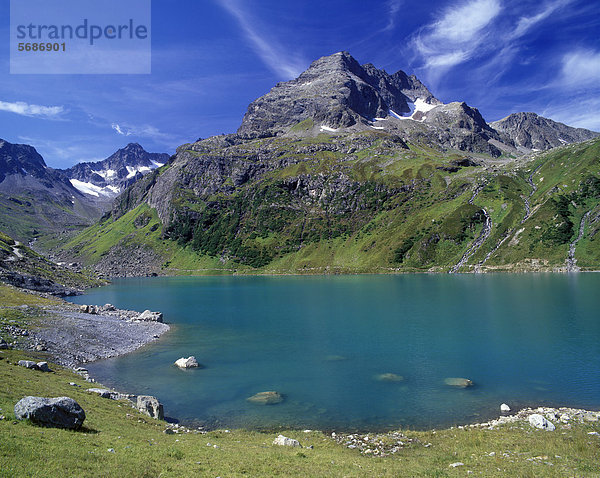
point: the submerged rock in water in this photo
(62, 412)
(266, 398)
(389, 377)
(335, 358)
(458, 382)
(189, 362)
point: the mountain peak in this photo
(110, 176)
(334, 92)
(534, 132)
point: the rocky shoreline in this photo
(74, 335)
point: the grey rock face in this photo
(62, 412)
(531, 131)
(335, 91)
(150, 406)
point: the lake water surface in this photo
(321, 341)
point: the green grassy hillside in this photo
(387, 207)
(16, 258)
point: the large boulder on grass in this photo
(61, 412)
(150, 406)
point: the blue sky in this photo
(211, 58)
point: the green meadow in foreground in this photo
(116, 440)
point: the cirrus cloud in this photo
(25, 109)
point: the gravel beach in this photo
(73, 337)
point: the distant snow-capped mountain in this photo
(107, 178)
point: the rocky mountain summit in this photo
(107, 178)
(34, 197)
(337, 95)
(334, 92)
(532, 132)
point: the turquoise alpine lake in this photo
(326, 342)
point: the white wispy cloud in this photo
(486, 30)
(456, 36)
(393, 7)
(118, 129)
(142, 131)
(581, 69)
(580, 114)
(25, 109)
(283, 63)
(525, 23)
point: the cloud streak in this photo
(25, 109)
(581, 69)
(526, 23)
(280, 62)
(456, 36)
(393, 7)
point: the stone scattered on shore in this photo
(538, 421)
(3, 344)
(62, 412)
(150, 406)
(285, 441)
(389, 377)
(266, 398)
(149, 316)
(504, 408)
(458, 382)
(189, 362)
(111, 394)
(30, 364)
(562, 415)
(383, 444)
(43, 366)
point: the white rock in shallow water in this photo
(538, 421)
(187, 362)
(284, 441)
(149, 316)
(504, 408)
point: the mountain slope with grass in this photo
(430, 187)
(22, 267)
